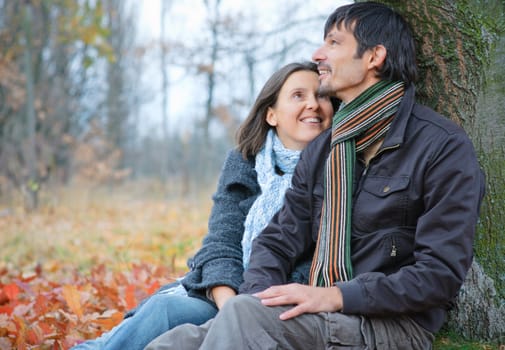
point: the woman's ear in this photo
(271, 117)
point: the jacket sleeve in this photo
(453, 186)
(219, 260)
(285, 239)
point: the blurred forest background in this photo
(115, 120)
(84, 99)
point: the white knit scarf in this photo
(273, 186)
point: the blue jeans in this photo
(162, 311)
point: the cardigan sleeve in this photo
(219, 260)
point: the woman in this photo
(287, 114)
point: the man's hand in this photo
(306, 299)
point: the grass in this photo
(449, 341)
(79, 228)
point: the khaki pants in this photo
(244, 323)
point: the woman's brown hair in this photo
(252, 133)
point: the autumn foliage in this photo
(38, 313)
(57, 290)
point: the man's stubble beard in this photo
(326, 91)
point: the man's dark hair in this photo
(375, 24)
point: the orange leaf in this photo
(110, 320)
(11, 290)
(21, 332)
(153, 287)
(130, 299)
(73, 299)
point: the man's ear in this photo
(378, 57)
(271, 118)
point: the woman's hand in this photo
(221, 294)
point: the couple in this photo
(288, 113)
(385, 204)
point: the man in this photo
(388, 198)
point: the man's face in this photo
(341, 72)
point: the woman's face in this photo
(300, 114)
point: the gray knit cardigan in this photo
(219, 260)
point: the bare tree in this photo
(30, 185)
(48, 58)
(165, 84)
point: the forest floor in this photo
(69, 270)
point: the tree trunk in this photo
(211, 72)
(476, 314)
(165, 6)
(30, 184)
(453, 50)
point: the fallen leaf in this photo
(11, 290)
(130, 299)
(73, 299)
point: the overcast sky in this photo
(185, 19)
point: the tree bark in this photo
(476, 314)
(453, 51)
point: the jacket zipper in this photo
(393, 247)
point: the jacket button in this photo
(386, 189)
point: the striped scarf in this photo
(356, 126)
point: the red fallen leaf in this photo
(73, 299)
(3, 298)
(130, 299)
(153, 287)
(41, 304)
(6, 309)
(34, 335)
(11, 290)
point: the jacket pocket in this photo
(384, 250)
(398, 249)
(382, 202)
(381, 186)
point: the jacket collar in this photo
(396, 134)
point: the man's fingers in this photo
(291, 313)
(267, 293)
(272, 292)
(278, 300)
